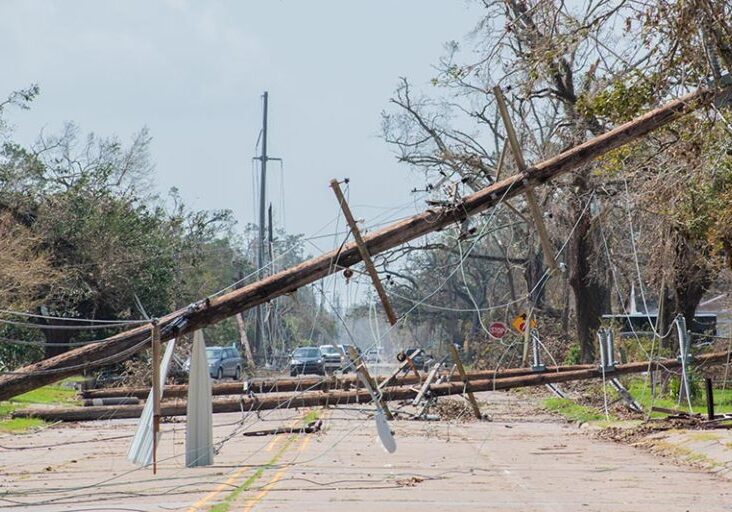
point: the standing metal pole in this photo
(710, 398)
(538, 366)
(269, 338)
(156, 391)
(259, 332)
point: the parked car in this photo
(222, 362)
(307, 360)
(374, 355)
(348, 365)
(422, 360)
(332, 356)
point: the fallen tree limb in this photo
(324, 399)
(260, 386)
(310, 428)
(213, 310)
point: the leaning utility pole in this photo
(212, 310)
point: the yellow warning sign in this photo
(519, 323)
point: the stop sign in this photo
(497, 329)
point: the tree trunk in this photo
(534, 273)
(692, 278)
(667, 309)
(590, 295)
(244, 339)
(57, 341)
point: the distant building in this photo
(642, 323)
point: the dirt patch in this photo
(636, 434)
(453, 410)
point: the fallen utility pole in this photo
(365, 256)
(464, 377)
(156, 393)
(286, 385)
(363, 374)
(212, 310)
(518, 156)
(325, 399)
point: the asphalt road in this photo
(522, 460)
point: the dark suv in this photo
(307, 360)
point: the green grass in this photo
(18, 425)
(6, 408)
(313, 415)
(573, 411)
(642, 394)
(46, 395)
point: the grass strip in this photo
(571, 410)
(225, 505)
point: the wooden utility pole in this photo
(536, 216)
(283, 385)
(334, 398)
(156, 391)
(210, 311)
(365, 256)
(241, 324)
(369, 381)
(546, 246)
(464, 377)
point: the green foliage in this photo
(695, 387)
(707, 211)
(639, 349)
(620, 101)
(110, 241)
(6, 408)
(574, 354)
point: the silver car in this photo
(222, 362)
(332, 357)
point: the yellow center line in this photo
(248, 506)
(271, 446)
(229, 483)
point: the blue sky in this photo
(193, 73)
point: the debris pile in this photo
(453, 410)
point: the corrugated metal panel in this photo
(199, 419)
(140, 451)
